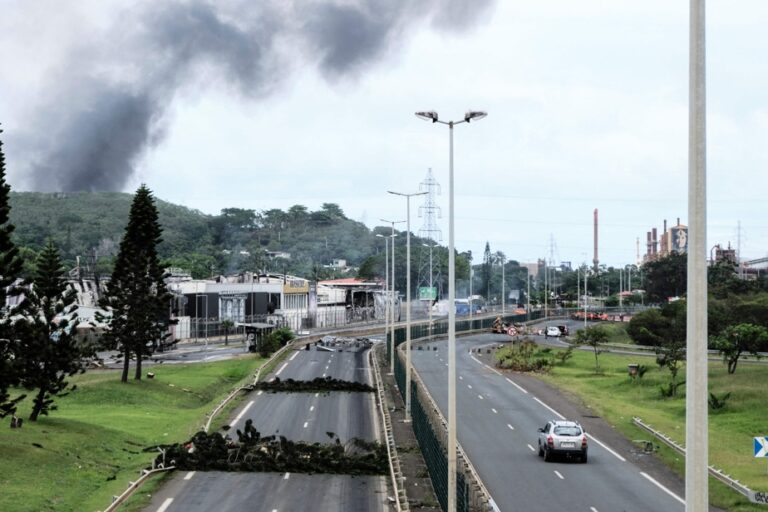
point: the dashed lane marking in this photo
(559, 475)
(532, 448)
(165, 505)
(469, 386)
(461, 378)
(281, 369)
(239, 416)
(311, 408)
(657, 484)
(287, 475)
(305, 424)
(189, 475)
(593, 509)
(494, 411)
(260, 392)
(294, 356)
(510, 427)
(480, 397)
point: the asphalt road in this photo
(299, 417)
(497, 427)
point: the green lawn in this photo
(615, 397)
(85, 452)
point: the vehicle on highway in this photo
(552, 330)
(563, 330)
(562, 437)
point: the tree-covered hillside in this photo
(90, 225)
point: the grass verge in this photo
(89, 449)
(617, 398)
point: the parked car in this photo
(551, 331)
(562, 438)
(563, 330)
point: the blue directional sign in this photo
(761, 446)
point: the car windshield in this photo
(567, 431)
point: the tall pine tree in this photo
(48, 351)
(137, 298)
(10, 269)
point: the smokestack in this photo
(596, 260)
(654, 241)
(648, 245)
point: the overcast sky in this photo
(309, 102)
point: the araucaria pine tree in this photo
(48, 352)
(10, 268)
(137, 298)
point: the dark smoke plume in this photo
(105, 107)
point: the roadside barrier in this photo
(398, 481)
(753, 496)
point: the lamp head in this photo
(474, 114)
(427, 116)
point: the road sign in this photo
(427, 293)
(761, 446)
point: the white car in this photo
(562, 438)
(552, 331)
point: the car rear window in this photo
(568, 431)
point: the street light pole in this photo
(391, 298)
(502, 287)
(408, 300)
(696, 429)
(386, 286)
(469, 116)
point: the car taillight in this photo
(584, 442)
(550, 441)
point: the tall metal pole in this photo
(408, 367)
(502, 287)
(430, 289)
(393, 297)
(452, 333)
(386, 293)
(452, 444)
(408, 310)
(528, 273)
(393, 292)
(586, 297)
(696, 428)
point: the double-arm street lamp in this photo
(391, 299)
(408, 300)
(468, 117)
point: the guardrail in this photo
(401, 499)
(146, 474)
(753, 496)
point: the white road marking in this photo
(189, 475)
(461, 378)
(281, 369)
(323, 374)
(328, 366)
(494, 411)
(532, 448)
(551, 409)
(446, 364)
(311, 408)
(260, 392)
(165, 505)
(593, 509)
(622, 459)
(317, 394)
(239, 416)
(510, 427)
(294, 356)
(518, 386)
(480, 397)
(559, 475)
(287, 475)
(305, 424)
(469, 386)
(476, 360)
(657, 484)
